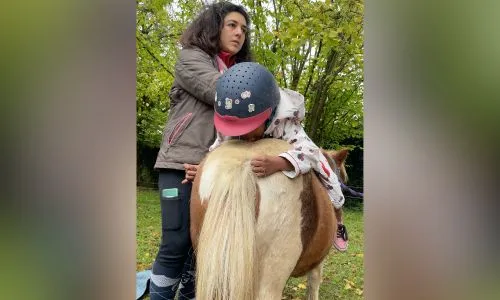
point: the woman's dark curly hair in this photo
(204, 31)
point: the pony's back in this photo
(227, 247)
(251, 233)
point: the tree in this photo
(315, 48)
(159, 26)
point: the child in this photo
(249, 105)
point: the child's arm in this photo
(266, 165)
(297, 160)
(305, 156)
(304, 153)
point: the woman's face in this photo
(233, 32)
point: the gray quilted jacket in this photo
(190, 127)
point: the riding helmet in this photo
(246, 95)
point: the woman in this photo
(217, 39)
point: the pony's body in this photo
(251, 234)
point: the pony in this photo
(251, 234)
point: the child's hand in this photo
(190, 172)
(266, 165)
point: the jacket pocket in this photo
(178, 128)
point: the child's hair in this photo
(204, 31)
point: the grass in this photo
(148, 232)
(342, 272)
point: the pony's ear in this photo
(340, 155)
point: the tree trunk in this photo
(319, 98)
(297, 71)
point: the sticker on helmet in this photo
(251, 107)
(229, 103)
(246, 94)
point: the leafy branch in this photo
(154, 56)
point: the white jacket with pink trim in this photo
(304, 155)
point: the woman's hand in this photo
(191, 171)
(266, 165)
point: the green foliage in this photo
(148, 235)
(313, 47)
(316, 48)
(159, 26)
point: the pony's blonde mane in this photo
(252, 233)
(226, 255)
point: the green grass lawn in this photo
(342, 272)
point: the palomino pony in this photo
(251, 234)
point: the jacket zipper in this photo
(178, 126)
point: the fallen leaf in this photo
(301, 286)
(350, 282)
(359, 292)
(360, 255)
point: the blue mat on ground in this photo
(142, 283)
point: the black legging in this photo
(175, 261)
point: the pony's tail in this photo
(226, 251)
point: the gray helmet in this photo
(246, 95)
